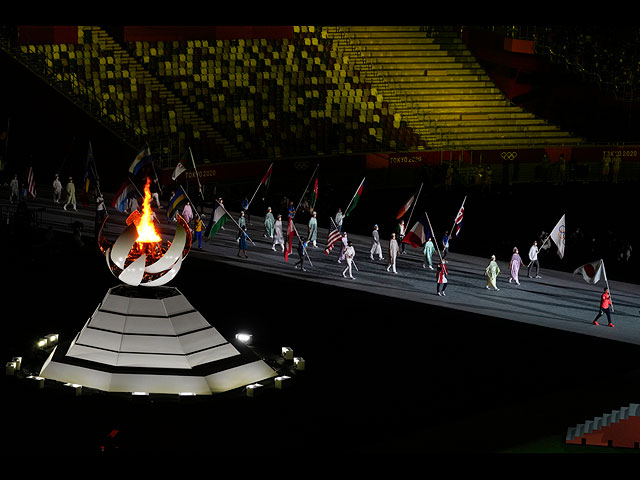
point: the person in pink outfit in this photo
(514, 266)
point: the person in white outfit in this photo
(533, 257)
(278, 238)
(376, 248)
(345, 243)
(71, 194)
(349, 254)
(57, 189)
(393, 253)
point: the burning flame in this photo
(146, 229)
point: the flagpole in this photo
(134, 186)
(336, 227)
(300, 240)
(196, 171)
(433, 233)
(454, 221)
(153, 167)
(254, 193)
(234, 221)
(95, 169)
(414, 205)
(354, 196)
(305, 188)
(187, 195)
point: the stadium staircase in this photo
(620, 428)
(103, 79)
(440, 89)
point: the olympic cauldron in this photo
(138, 256)
(151, 339)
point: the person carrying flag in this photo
(349, 254)
(445, 244)
(533, 257)
(242, 241)
(401, 230)
(302, 245)
(606, 307)
(441, 278)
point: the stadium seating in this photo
(326, 90)
(443, 92)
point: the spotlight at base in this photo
(244, 338)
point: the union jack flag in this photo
(334, 237)
(459, 219)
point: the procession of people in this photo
(282, 232)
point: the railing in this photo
(69, 86)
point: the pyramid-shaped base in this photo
(153, 340)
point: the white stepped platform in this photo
(153, 340)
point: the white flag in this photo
(557, 235)
(591, 271)
(178, 170)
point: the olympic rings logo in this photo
(561, 232)
(301, 165)
(509, 155)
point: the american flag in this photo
(31, 182)
(334, 236)
(459, 219)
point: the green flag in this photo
(354, 200)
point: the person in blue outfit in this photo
(242, 241)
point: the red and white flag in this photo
(458, 221)
(418, 234)
(334, 237)
(405, 208)
(591, 272)
(31, 183)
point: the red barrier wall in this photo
(180, 33)
(48, 34)
(523, 155)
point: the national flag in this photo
(143, 158)
(458, 221)
(418, 235)
(333, 238)
(405, 208)
(289, 248)
(178, 171)
(122, 195)
(177, 201)
(219, 217)
(314, 196)
(558, 236)
(31, 183)
(91, 172)
(354, 200)
(591, 272)
(267, 178)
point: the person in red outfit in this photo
(441, 278)
(606, 307)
